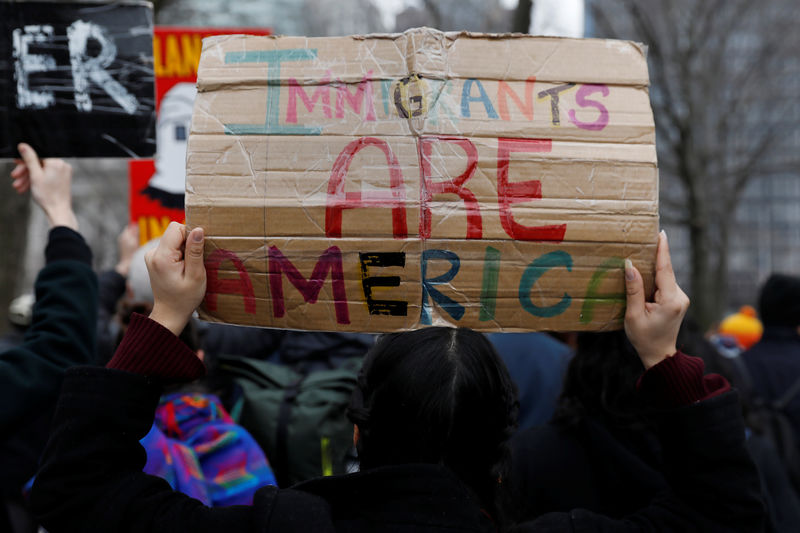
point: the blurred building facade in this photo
(284, 17)
(456, 15)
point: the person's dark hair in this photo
(601, 382)
(438, 396)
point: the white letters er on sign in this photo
(85, 68)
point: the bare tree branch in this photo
(433, 9)
(721, 109)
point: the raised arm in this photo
(49, 181)
(177, 276)
(91, 476)
(713, 484)
(62, 331)
(652, 327)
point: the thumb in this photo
(30, 158)
(634, 287)
(194, 254)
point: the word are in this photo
(508, 193)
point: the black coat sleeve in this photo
(91, 478)
(713, 483)
(111, 289)
(62, 331)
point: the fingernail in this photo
(630, 274)
(198, 235)
(664, 233)
(22, 147)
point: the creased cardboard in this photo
(389, 182)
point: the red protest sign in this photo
(157, 186)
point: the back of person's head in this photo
(601, 381)
(779, 303)
(438, 396)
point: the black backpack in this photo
(297, 418)
(768, 420)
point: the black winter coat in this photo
(774, 365)
(61, 334)
(585, 465)
(91, 479)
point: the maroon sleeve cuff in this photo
(150, 349)
(679, 380)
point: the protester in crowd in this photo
(537, 363)
(773, 364)
(601, 451)
(112, 287)
(62, 325)
(194, 443)
(433, 413)
(184, 458)
(769, 374)
(692, 339)
(60, 334)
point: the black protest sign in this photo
(77, 79)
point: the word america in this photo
(330, 263)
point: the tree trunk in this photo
(702, 290)
(700, 293)
(522, 16)
(721, 270)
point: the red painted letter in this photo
(523, 191)
(295, 90)
(455, 186)
(363, 94)
(504, 90)
(329, 261)
(339, 200)
(215, 286)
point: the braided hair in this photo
(438, 396)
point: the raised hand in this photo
(177, 276)
(127, 244)
(49, 181)
(652, 327)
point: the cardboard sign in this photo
(157, 186)
(389, 182)
(76, 80)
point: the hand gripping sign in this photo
(389, 182)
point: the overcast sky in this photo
(390, 8)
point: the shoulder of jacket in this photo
(291, 510)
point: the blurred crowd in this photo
(583, 422)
